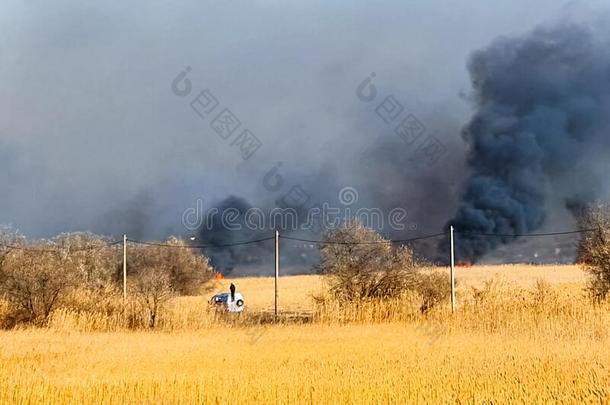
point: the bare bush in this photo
(36, 278)
(152, 289)
(594, 249)
(433, 288)
(92, 258)
(82, 273)
(106, 300)
(365, 266)
(33, 282)
(360, 266)
(187, 270)
(157, 273)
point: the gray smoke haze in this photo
(540, 134)
(92, 137)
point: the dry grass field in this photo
(296, 291)
(512, 340)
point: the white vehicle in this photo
(228, 302)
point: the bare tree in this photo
(92, 258)
(152, 288)
(34, 281)
(187, 269)
(35, 278)
(9, 237)
(82, 271)
(360, 264)
(594, 249)
(159, 272)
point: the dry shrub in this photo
(91, 257)
(594, 249)
(34, 283)
(88, 311)
(363, 267)
(488, 292)
(543, 294)
(152, 289)
(79, 276)
(127, 315)
(37, 278)
(6, 313)
(106, 300)
(91, 309)
(433, 288)
(158, 272)
(186, 269)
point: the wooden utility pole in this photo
(124, 269)
(452, 271)
(277, 267)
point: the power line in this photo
(57, 249)
(419, 238)
(25, 248)
(526, 234)
(314, 241)
(211, 245)
(321, 242)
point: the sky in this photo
(92, 137)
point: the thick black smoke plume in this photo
(538, 135)
(256, 257)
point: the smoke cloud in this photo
(540, 133)
(93, 138)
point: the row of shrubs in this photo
(83, 271)
(362, 266)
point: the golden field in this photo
(514, 339)
(295, 291)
